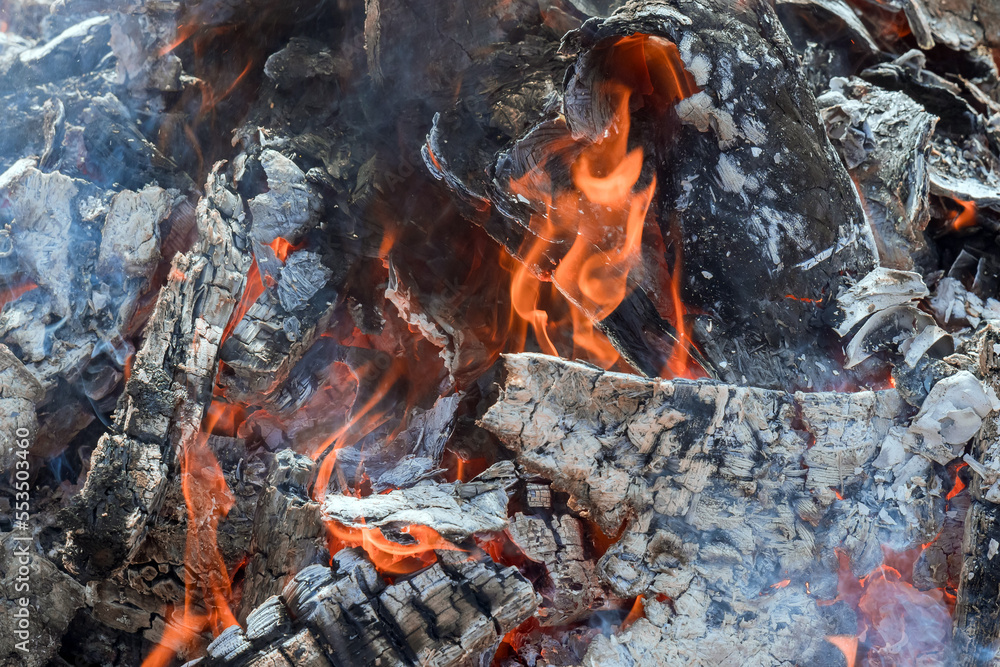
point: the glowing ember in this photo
(782, 583)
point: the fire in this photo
(362, 420)
(781, 584)
(600, 219)
(207, 583)
(898, 624)
(252, 290)
(959, 484)
(965, 217)
(283, 248)
(388, 556)
(12, 294)
(848, 645)
(635, 613)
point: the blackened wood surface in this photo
(767, 214)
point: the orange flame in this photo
(390, 557)
(959, 484)
(638, 611)
(283, 248)
(781, 584)
(601, 218)
(252, 290)
(184, 32)
(207, 584)
(964, 218)
(254, 286)
(848, 645)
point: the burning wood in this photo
(258, 262)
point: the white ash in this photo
(455, 510)
(882, 288)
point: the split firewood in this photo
(166, 396)
(727, 134)
(448, 614)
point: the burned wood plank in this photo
(165, 398)
(448, 614)
(723, 490)
(455, 510)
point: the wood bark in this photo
(446, 615)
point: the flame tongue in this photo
(207, 585)
(591, 233)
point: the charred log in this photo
(447, 614)
(737, 146)
(165, 399)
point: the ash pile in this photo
(513, 332)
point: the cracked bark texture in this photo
(448, 614)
